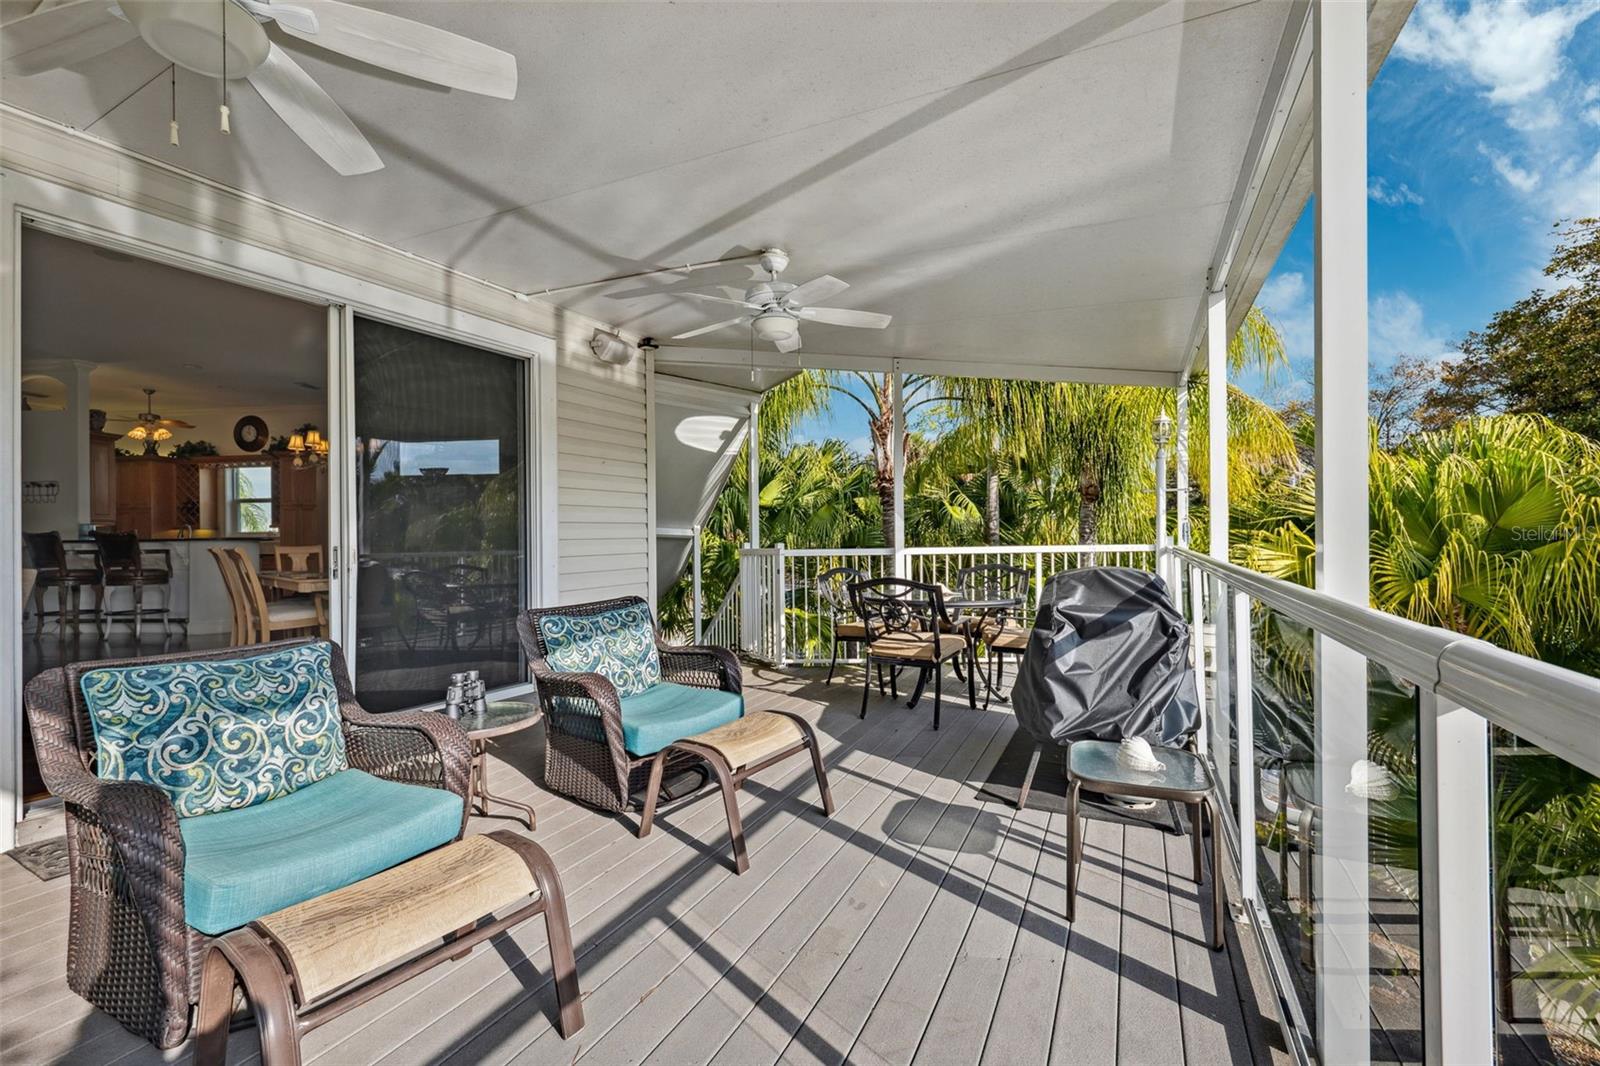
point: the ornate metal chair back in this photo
(895, 605)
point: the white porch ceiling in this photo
(1038, 184)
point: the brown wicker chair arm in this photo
(701, 665)
(140, 827)
(573, 701)
(416, 747)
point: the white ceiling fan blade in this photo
(409, 47)
(311, 113)
(719, 299)
(815, 290)
(843, 316)
(61, 36)
(708, 329)
(289, 16)
(791, 343)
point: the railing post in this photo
(1221, 701)
(780, 601)
(749, 601)
(1244, 729)
(1197, 651)
(699, 613)
(1038, 579)
(1454, 802)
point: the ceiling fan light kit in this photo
(778, 306)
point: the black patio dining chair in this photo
(907, 625)
(844, 624)
(1001, 631)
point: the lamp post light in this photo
(1161, 429)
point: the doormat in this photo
(1049, 789)
(44, 859)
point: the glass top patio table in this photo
(1094, 763)
(501, 716)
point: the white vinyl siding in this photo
(602, 489)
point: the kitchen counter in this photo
(196, 590)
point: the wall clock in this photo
(250, 433)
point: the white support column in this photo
(699, 609)
(1453, 799)
(1217, 420)
(897, 454)
(1217, 503)
(753, 473)
(1341, 874)
(750, 568)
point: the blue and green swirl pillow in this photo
(219, 734)
(619, 644)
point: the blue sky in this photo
(1483, 130)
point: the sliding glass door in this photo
(440, 512)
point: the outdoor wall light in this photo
(610, 348)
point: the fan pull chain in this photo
(172, 132)
(224, 108)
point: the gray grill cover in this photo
(1108, 658)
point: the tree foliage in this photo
(1539, 356)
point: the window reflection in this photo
(442, 514)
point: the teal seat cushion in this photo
(243, 863)
(662, 713)
(219, 734)
(618, 644)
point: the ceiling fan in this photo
(228, 38)
(147, 422)
(775, 308)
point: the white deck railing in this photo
(1356, 743)
(1369, 744)
(792, 626)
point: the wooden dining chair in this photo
(240, 633)
(267, 620)
(296, 558)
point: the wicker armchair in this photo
(585, 756)
(129, 950)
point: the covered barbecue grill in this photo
(1108, 658)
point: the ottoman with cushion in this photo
(207, 789)
(305, 965)
(614, 695)
(735, 751)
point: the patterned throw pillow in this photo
(219, 734)
(619, 644)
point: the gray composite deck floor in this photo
(923, 923)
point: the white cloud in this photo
(1512, 50)
(1524, 181)
(1396, 325)
(1286, 298)
(1382, 192)
(1574, 189)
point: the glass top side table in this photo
(497, 719)
(1185, 778)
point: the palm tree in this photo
(1103, 435)
(1490, 528)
